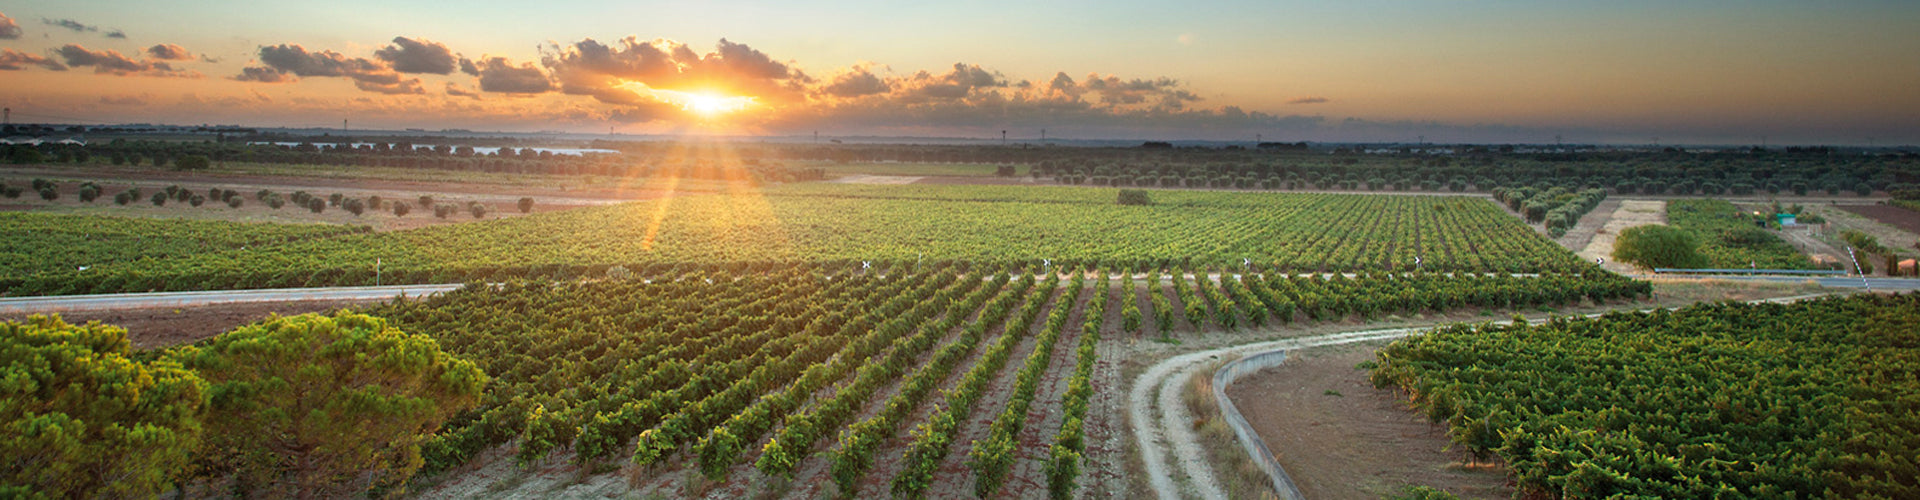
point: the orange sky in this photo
(1624, 72)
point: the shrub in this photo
(190, 162)
(374, 202)
(89, 193)
(1134, 197)
(159, 199)
(122, 198)
(1656, 245)
(426, 201)
(526, 205)
(316, 205)
(197, 200)
(274, 201)
(334, 199)
(354, 206)
(84, 420)
(49, 194)
(235, 201)
(287, 418)
(478, 210)
(400, 209)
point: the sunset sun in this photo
(707, 104)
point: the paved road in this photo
(1827, 281)
(23, 305)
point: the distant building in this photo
(1786, 220)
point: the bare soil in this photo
(1905, 220)
(1628, 214)
(1338, 437)
(153, 328)
(501, 200)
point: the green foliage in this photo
(813, 223)
(1730, 238)
(83, 420)
(59, 244)
(1654, 246)
(1422, 493)
(1813, 399)
(1136, 197)
(192, 162)
(310, 403)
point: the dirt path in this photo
(1590, 224)
(1345, 439)
(1630, 213)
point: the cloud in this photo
(1307, 100)
(209, 59)
(76, 26)
(855, 82)
(9, 30)
(499, 75)
(168, 52)
(467, 66)
(264, 75)
(407, 55)
(117, 34)
(369, 75)
(13, 60)
(111, 62)
(131, 100)
(628, 71)
(454, 90)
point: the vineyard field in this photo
(1813, 399)
(882, 381)
(812, 223)
(61, 244)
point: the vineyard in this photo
(1814, 399)
(1732, 239)
(55, 244)
(764, 230)
(885, 380)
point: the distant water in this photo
(476, 150)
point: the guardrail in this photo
(1798, 272)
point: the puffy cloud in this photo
(13, 60)
(626, 72)
(467, 66)
(408, 55)
(263, 75)
(855, 82)
(117, 34)
(111, 62)
(168, 52)
(499, 75)
(369, 75)
(9, 30)
(457, 91)
(76, 26)
(1307, 100)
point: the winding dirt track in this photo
(1161, 422)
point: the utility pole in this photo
(1003, 138)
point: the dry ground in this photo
(165, 327)
(1629, 213)
(1338, 437)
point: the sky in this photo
(1624, 72)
